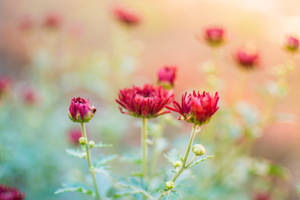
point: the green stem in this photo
(144, 146)
(91, 168)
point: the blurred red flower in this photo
(167, 76)
(262, 196)
(74, 135)
(8, 193)
(30, 96)
(80, 110)
(215, 36)
(247, 59)
(26, 23)
(52, 21)
(127, 17)
(4, 85)
(196, 107)
(292, 44)
(147, 101)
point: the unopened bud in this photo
(169, 185)
(82, 140)
(91, 144)
(199, 150)
(177, 163)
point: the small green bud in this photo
(85, 156)
(177, 163)
(82, 140)
(91, 143)
(199, 150)
(169, 185)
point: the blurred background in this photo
(53, 50)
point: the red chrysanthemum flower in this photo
(52, 21)
(146, 102)
(26, 24)
(126, 17)
(8, 193)
(292, 44)
(247, 59)
(166, 76)
(196, 107)
(215, 36)
(262, 196)
(80, 110)
(74, 135)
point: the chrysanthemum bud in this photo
(52, 21)
(169, 185)
(292, 44)
(215, 36)
(177, 163)
(127, 17)
(167, 76)
(80, 110)
(199, 149)
(82, 140)
(91, 144)
(246, 58)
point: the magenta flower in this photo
(30, 96)
(247, 59)
(215, 36)
(52, 21)
(292, 44)
(167, 76)
(146, 102)
(127, 17)
(74, 135)
(80, 110)
(26, 24)
(196, 108)
(8, 193)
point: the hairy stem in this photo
(144, 145)
(91, 168)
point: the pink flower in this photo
(74, 135)
(147, 101)
(29, 96)
(80, 110)
(127, 17)
(196, 107)
(52, 21)
(215, 36)
(262, 196)
(166, 76)
(8, 193)
(292, 44)
(247, 59)
(4, 85)
(26, 24)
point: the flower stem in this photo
(91, 168)
(186, 155)
(144, 146)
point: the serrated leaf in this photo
(132, 159)
(203, 158)
(135, 188)
(101, 145)
(105, 160)
(75, 188)
(172, 156)
(76, 153)
(102, 169)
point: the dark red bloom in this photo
(247, 59)
(52, 21)
(4, 85)
(196, 107)
(215, 36)
(127, 17)
(262, 196)
(8, 193)
(80, 110)
(74, 135)
(166, 76)
(292, 44)
(147, 101)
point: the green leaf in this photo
(102, 169)
(278, 171)
(203, 158)
(134, 188)
(75, 188)
(105, 160)
(172, 156)
(76, 153)
(101, 145)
